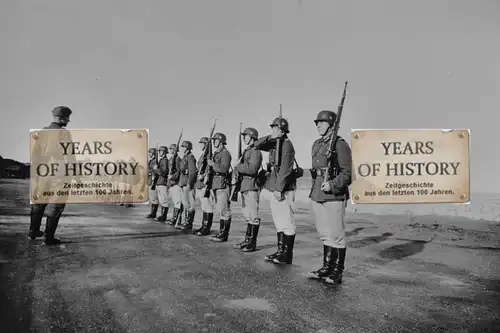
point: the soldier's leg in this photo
(334, 237)
(175, 192)
(162, 202)
(222, 197)
(286, 212)
(199, 195)
(36, 216)
(208, 208)
(190, 209)
(246, 216)
(253, 199)
(54, 213)
(323, 219)
(279, 228)
(181, 200)
(153, 200)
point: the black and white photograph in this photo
(234, 166)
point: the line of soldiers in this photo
(183, 180)
(179, 178)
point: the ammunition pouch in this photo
(262, 177)
(297, 172)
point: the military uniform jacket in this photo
(200, 164)
(280, 177)
(342, 160)
(176, 174)
(248, 169)
(50, 151)
(222, 177)
(162, 171)
(188, 171)
(151, 172)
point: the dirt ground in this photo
(118, 272)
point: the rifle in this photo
(209, 175)
(173, 165)
(332, 168)
(237, 177)
(156, 176)
(278, 141)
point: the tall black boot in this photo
(178, 223)
(252, 244)
(189, 218)
(245, 241)
(270, 257)
(221, 228)
(222, 236)
(203, 219)
(286, 256)
(329, 258)
(335, 277)
(207, 225)
(35, 223)
(50, 230)
(163, 215)
(175, 215)
(152, 214)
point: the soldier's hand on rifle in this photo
(201, 177)
(155, 167)
(169, 177)
(210, 163)
(278, 195)
(325, 187)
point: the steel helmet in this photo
(252, 132)
(203, 140)
(282, 124)
(221, 137)
(187, 144)
(326, 115)
(162, 148)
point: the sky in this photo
(167, 65)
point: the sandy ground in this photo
(118, 272)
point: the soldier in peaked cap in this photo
(329, 198)
(47, 152)
(153, 195)
(207, 204)
(187, 181)
(221, 185)
(161, 185)
(281, 184)
(173, 184)
(248, 170)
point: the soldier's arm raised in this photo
(344, 159)
(252, 166)
(265, 143)
(224, 164)
(286, 166)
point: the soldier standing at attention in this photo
(61, 116)
(173, 184)
(161, 170)
(153, 196)
(281, 184)
(187, 181)
(221, 185)
(329, 198)
(207, 204)
(248, 170)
